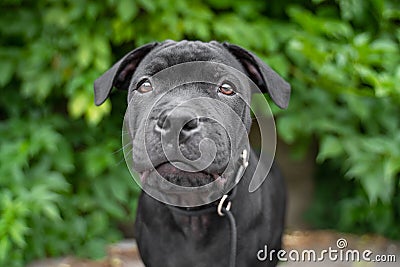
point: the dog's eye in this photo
(226, 89)
(145, 86)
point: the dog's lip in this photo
(144, 174)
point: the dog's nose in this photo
(182, 122)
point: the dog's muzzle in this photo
(181, 122)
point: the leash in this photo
(224, 209)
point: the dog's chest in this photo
(195, 227)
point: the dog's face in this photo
(180, 116)
(182, 93)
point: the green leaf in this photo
(377, 187)
(17, 233)
(85, 52)
(330, 147)
(51, 211)
(79, 103)
(7, 69)
(120, 191)
(127, 9)
(5, 246)
(95, 114)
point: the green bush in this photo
(63, 180)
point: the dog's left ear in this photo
(262, 75)
(120, 74)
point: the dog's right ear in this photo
(262, 75)
(120, 74)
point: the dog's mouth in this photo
(173, 174)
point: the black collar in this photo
(209, 208)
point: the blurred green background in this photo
(64, 186)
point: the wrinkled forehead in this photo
(171, 54)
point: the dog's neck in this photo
(196, 222)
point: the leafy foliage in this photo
(346, 74)
(63, 183)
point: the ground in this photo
(124, 254)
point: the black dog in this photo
(165, 236)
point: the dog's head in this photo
(188, 106)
